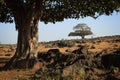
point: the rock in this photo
(110, 60)
(117, 51)
(81, 50)
(53, 51)
(110, 77)
(56, 61)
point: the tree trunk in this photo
(27, 44)
(83, 37)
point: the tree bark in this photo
(83, 37)
(27, 44)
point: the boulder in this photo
(110, 60)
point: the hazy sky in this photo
(102, 26)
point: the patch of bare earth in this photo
(16, 74)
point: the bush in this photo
(62, 43)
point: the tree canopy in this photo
(58, 10)
(81, 30)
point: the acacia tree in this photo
(81, 30)
(27, 13)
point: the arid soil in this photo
(97, 48)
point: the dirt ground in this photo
(98, 45)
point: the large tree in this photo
(81, 30)
(27, 13)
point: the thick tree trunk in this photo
(27, 44)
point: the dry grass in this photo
(107, 45)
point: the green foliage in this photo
(62, 43)
(57, 10)
(5, 13)
(81, 30)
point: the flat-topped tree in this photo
(81, 30)
(27, 13)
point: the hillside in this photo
(93, 64)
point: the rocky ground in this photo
(91, 59)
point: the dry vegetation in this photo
(89, 67)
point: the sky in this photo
(102, 26)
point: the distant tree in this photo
(27, 13)
(81, 30)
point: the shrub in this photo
(62, 43)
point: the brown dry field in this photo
(98, 45)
